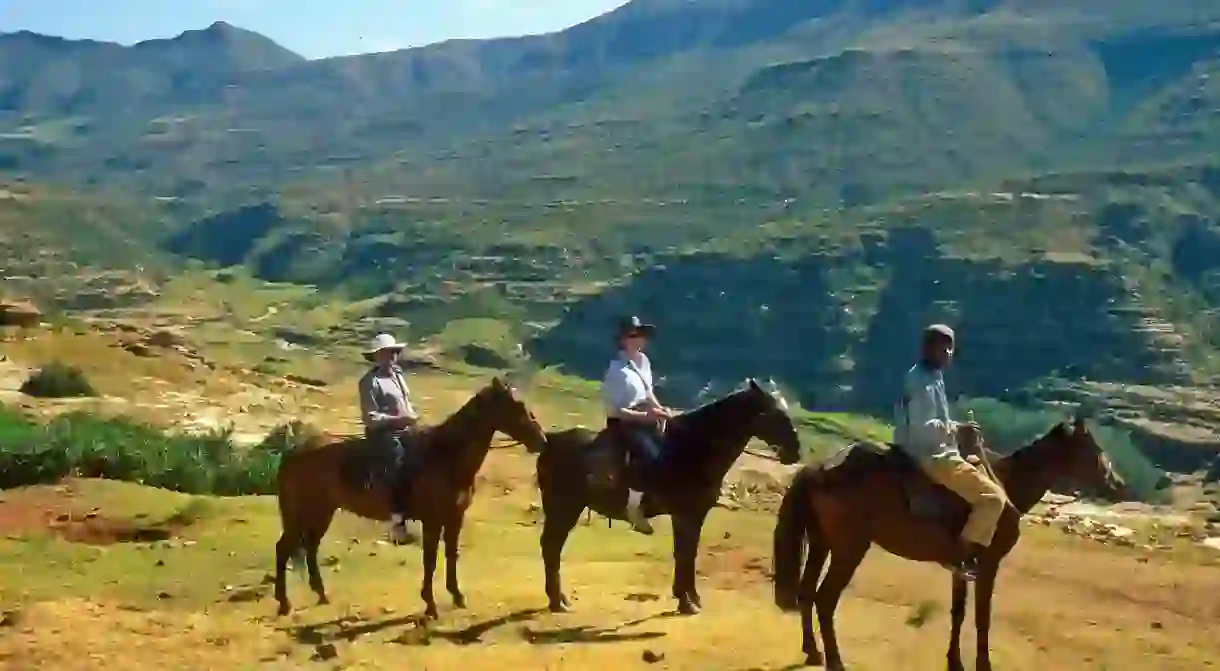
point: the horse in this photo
(317, 480)
(879, 496)
(700, 447)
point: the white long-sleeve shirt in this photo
(922, 427)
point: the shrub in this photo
(122, 449)
(1008, 427)
(58, 380)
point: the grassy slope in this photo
(200, 604)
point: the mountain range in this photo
(840, 100)
(814, 177)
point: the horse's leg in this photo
(692, 590)
(560, 516)
(806, 593)
(453, 530)
(843, 565)
(432, 538)
(957, 614)
(984, 588)
(287, 546)
(313, 541)
(687, 526)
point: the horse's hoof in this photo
(431, 613)
(697, 600)
(560, 606)
(814, 659)
(459, 601)
(686, 607)
(284, 609)
(322, 600)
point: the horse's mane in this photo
(689, 426)
(710, 406)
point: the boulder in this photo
(25, 315)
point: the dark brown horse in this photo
(700, 446)
(317, 480)
(880, 497)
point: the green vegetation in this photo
(1009, 427)
(121, 449)
(814, 201)
(58, 380)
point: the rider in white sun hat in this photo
(388, 417)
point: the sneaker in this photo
(967, 570)
(635, 515)
(398, 531)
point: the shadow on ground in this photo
(418, 631)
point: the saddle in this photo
(926, 499)
(610, 466)
(371, 461)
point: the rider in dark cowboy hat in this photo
(385, 408)
(633, 412)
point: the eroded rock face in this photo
(25, 315)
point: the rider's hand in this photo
(657, 413)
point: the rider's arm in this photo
(926, 429)
(409, 416)
(617, 397)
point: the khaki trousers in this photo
(986, 498)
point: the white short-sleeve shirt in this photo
(627, 384)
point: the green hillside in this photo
(790, 188)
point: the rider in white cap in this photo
(385, 409)
(924, 430)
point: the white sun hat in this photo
(379, 342)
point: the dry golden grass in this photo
(1063, 603)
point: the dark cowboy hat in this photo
(629, 325)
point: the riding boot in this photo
(635, 513)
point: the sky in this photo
(312, 28)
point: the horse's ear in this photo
(498, 383)
(753, 384)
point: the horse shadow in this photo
(593, 634)
(419, 631)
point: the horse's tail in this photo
(793, 526)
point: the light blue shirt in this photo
(627, 384)
(922, 426)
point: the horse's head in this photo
(771, 423)
(509, 415)
(1081, 460)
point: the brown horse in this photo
(700, 447)
(876, 497)
(316, 481)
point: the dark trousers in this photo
(404, 459)
(643, 442)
